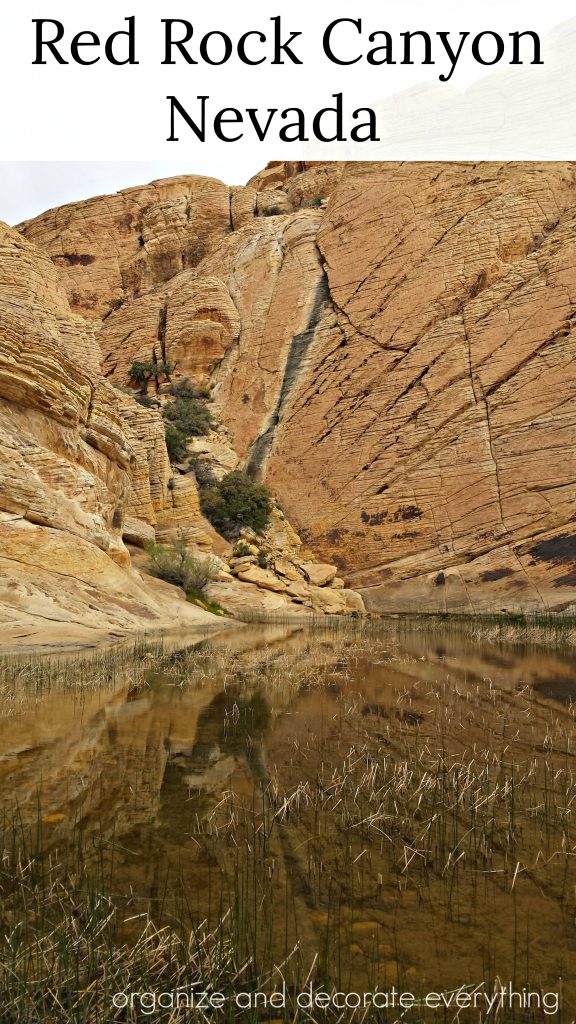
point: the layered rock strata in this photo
(69, 475)
(389, 346)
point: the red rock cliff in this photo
(391, 346)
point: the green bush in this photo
(176, 442)
(202, 471)
(146, 401)
(241, 548)
(317, 201)
(175, 564)
(200, 599)
(264, 558)
(187, 416)
(190, 415)
(142, 371)
(234, 502)
(184, 389)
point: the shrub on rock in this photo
(175, 564)
(142, 371)
(176, 442)
(189, 413)
(236, 502)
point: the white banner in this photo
(410, 80)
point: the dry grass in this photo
(386, 807)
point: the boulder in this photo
(238, 598)
(319, 573)
(242, 562)
(287, 569)
(354, 601)
(261, 578)
(324, 599)
(299, 591)
(137, 532)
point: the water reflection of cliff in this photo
(121, 757)
(110, 760)
(181, 785)
(100, 763)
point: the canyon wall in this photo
(389, 346)
(73, 473)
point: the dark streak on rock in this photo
(298, 350)
(374, 518)
(70, 259)
(559, 550)
(407, 512)
(491, 575)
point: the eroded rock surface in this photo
(440, 389)
(111, 247)
(70, 473)
(389, 346)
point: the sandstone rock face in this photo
(389, 346)
(111, 247)
(65, 455)
(262, 578)
(70, 472)
(190, 323)
(319, 573)
(278, 293)
(58, 591)
(432, 430)
(423, 432)
(83, 467)
(301, 183)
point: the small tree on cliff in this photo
(176, 442)
(188, 413)
(186, 416)
(142, 371)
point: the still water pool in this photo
(362, 810)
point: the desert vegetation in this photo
(234, 502)
(177, 564)
(186, 416)
(143, 371)
(185, 412)
(549, 629)
(376, 788)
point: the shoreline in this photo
(109, 642)
(538, 629)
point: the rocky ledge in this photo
(288, 577)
